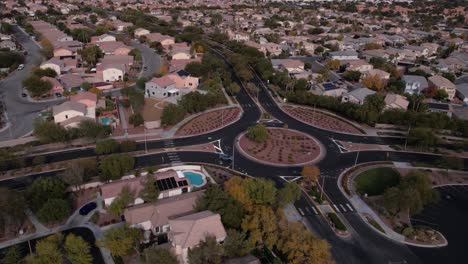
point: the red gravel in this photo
(322, 120)
(283, 147)
(209, 121)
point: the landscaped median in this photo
(386, 197)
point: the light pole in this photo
(407, 136)
(323, 186)
(357, 155)
(146, 147)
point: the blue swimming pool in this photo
(106, 120)
(195, 178)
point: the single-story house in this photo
(442, 83)
(414, 84)
(462, 92)
(344, 55)
(357, 96)
(396, 101)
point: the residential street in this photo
(21, 112)
(150, 59)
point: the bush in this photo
(336, 221)
(128, 146)
(408, 231)
(107, 146)
(136, 120)
(54, 210)
(257, 133)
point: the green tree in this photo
(12, 256)
(261, 226)
(47, 250)
(136, 120)
(36, 87)
(107, 146)
(258, 133)
(441, 95)
(45, 72)
(54, 210)
(261, 191)
(48, 132)
(73, 175)
(423, 137)
(77, 250)
(140, 83)
(233, 88)
(43, 189)
(150, 192)
(352, 76)
(121, 241)
(207, 252)
(289, 194)
(92, 54)
(118, 205)
(196, 69)
(155, 255)
(12, 206)
(172, 114)
(128, 146)
(218, 201)
(235, 244)
(115, 166)
(93, 130)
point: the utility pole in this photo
(357, 155)
(323, 187)
(407, 136)
(146, 146)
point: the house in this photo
(462, 92)
(179, 51)
(8, 44)
(158, 37)
(183, 80)
(414, 84)
(103, 38)
(442, 83)
(176, 65)
(396, 101)
(54, 63)
(161, 87)
(170, 183)
(383, 75)
(141, 32)
(154, 217)
(68, 110)
(330, 89)
(357, 65)
(67, 49)
(111, 72)
(357, 96)
(57, 87)
(114, 48)
(292, 66)
(186, 232)
(71, 81)
(89, 100)
(440, 108)
(344, 55)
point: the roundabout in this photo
(283, 147)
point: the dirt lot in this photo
(209, 121)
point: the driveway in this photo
(150, 59)
(21, 113)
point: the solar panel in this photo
(170, 183)
(182, 183)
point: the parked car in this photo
(20, 67)
(58, 95)
(88, 208)
(145, 68)
(225, 157)
(24, 95)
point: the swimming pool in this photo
(106, 120)
(195, 178)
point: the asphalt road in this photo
(21, 112)
(150, 59)
(364, 246)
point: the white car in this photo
(20, 67)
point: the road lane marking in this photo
(342, 207)
(315, 211)
(336, 207)
(350, 208)
(300, 211)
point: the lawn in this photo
(375, 181)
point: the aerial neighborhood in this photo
(214, 131)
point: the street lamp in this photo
(357, 155)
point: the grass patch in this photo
(375, 181)
(376, 225)
(336, 221)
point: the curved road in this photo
(363, 246)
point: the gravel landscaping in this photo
(283, 147)
(209, 121)
(322, 120)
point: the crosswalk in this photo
(168, 144)
(343, 208)
(174, 157)
(308, 210)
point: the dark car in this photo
(24, 95)
(88, 208)
(58, 95)
(145, 68)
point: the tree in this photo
(300, 246)
(47, 250)
(43, 189)
(12, 255)
(333, 64)
(373, 82)
(45, 72)
(115, 166)
(48, 132)
(172, 114)
(310, 173)
(258, 133)
(136, 120)
(121, 241)
(150, 192)
(218, 201)
(54, 210)
(93, 18)
(73, 175)
(37, 87)
(107, 146)
(93, 130)
(301, 85)
(155, 255)
(261, 227)
(441, 95)
(252, 89)
(289, 194)
(372, 46)
(233, 88)
(195, 69)
(141, 82)
(77, 250)
(92, 54)
(82, 34)
(47, 48)
(423, 137)
(352, 76)
(118, 205)
(207, 252)
(128, 146)
(12, 206)
(261, 191)
(235, 244)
